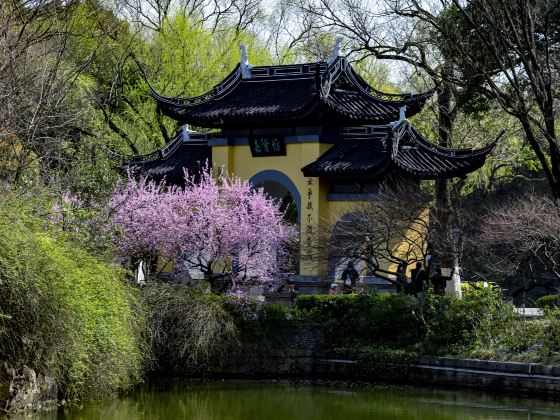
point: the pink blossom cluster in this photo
(216, 223)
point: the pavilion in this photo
(317, 131)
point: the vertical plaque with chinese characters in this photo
(267, 145)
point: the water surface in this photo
(254, 400)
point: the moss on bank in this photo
(64, 312)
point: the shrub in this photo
(367, 318)
(455, 325)
(188, 327)
(548, 302)
(552, 335)
(277, 317)
(438, 324)
(64, 312)
(522, 338)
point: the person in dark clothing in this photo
(439, 281)
(292, 291)
(349, 278)
(419, 278)
(401, 278)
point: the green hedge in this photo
(435, 324)
(549, 302)
(365, 318)
(64, 312)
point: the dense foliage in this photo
(76, 104)
(549, 302)
(64, 312)
(428, 323)
(383, 332)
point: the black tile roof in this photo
(365, 152)
(308, 93)
(416, 155)
(170, 162)
(364, 156)
(277, 100)
(401, 148)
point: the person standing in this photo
(349, 278)
(402, 284)
(419, 278)
(439, 281)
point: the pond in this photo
(282, 400)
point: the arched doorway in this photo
(279, 186)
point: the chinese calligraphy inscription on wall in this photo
(309, 212)
(267, 146)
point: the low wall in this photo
(302, 351)
(491, 376)
(290, 352)
(519, 378)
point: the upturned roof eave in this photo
(184, 110)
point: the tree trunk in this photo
(219, 284)
(555, 164)
(445, 225)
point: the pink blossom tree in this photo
(216, 223)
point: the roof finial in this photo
(244, 63)
(185, 132)
(336, 50)
(402, 113)
(402, 116)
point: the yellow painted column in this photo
(313, 210)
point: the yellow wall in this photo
(315, 209)
(335, 210)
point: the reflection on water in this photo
(247, 400)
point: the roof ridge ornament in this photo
(326, 86)
(336, 50)
(402, 117)
(185, 134)
(395, 136)
(244, 63)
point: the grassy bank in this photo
(64, 312)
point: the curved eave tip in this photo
(486, 149)
(423, 96)
(154, 92)
(495, 142)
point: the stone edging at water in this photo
(509, 377)
(301, 353)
